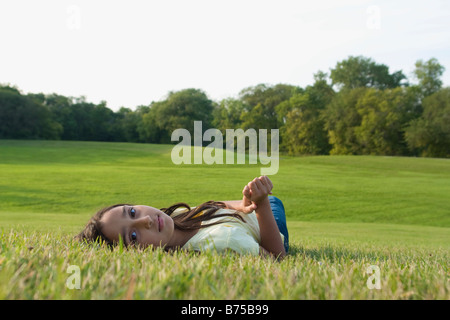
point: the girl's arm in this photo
(257, 191)
(244, 205)
(270, 235)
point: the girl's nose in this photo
(145, 221)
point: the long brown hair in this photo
(186, 220)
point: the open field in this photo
(345, 214)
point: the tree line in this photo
(358, 108)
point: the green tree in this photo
(104, 125)
(384, 114)
(321, 93)
(370, 121)
(179, 110)
(304, 131)
(304, 128)
(24, 117)
(356, 72)
(260, 104)
(129, 122)
(227, 115)
(429, 135)
(82, 120)
(428, 74)
(341, 119)
(152, 130)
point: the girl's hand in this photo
(256, 191)
(247, 206)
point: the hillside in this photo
(59, 182)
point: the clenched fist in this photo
(257, 190)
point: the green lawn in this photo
(345, 214)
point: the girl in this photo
(256, 224)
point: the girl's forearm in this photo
(270, 235)
(233, 204)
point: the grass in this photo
(34, 266)
(345, 214)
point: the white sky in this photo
(130, 53)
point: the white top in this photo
(232, 234)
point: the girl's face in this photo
(138, 225)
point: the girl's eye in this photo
(133, 236)
(132, 212)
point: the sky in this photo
(130, 53)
